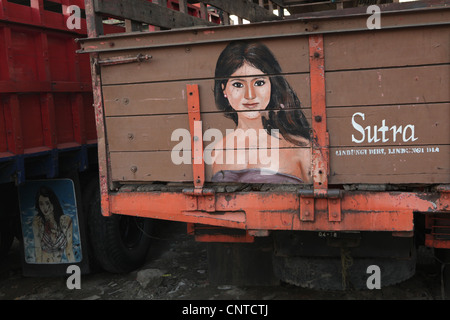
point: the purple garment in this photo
(255, 176)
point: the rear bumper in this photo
(256, 211)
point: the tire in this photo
(119, 243)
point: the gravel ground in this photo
(177, 269)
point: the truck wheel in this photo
(6, 237)
(119, 243)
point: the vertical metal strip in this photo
(94, 21)
(195, 126)
(320, 148)
(94, 29)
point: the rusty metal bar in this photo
(320, 147)
(123, 60)
(95, 28)
(195, 126)
(362, 211)
(205, 233)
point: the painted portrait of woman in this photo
(52, 230)
(251, 90)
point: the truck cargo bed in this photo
(386, 94)
(376, 103)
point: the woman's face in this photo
(248, 90)
(46, 206)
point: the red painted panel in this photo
(54, 19)
(31, 120)
(59, 58)
(84, 68)
(24, 62)
(4, 69)
(89, 117)
(3, 144)
(44, 83)
(63, 118)
(19, 12)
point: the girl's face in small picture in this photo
(46, 206)
(248, 90)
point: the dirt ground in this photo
(177, 269)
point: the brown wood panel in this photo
(421, 124)
(144, 133)
(152, 133)
(387, 48)
(424, 84)
(170, 97)
(155, 166)
(338, 22)
(421, 164)
(195, 61)
(147, 166)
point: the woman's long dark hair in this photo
(283, 111)
(48, 193)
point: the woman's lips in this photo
(250, 105)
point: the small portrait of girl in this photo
(52, 229)
(50, 225)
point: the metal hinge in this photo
(309, 197)
(200, 201)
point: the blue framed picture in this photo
(50, 225)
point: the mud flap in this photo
(328, 274)
(241, 264)
(53, 227)
(314, 260)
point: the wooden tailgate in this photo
(386, 92)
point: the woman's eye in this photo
(260, 83)
(237, 85)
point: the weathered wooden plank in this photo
(196, 62)
(244, 9)
(361, 165)
(147, 166)
(154, 133)
(387, 48)
(147, 12)
(261, 31)
(398, 125)
(385, 8)
(425, 84)
(170, 97)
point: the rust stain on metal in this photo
(198, 165)
(320, 152)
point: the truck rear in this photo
(307, 150)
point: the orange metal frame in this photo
(320, 209)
